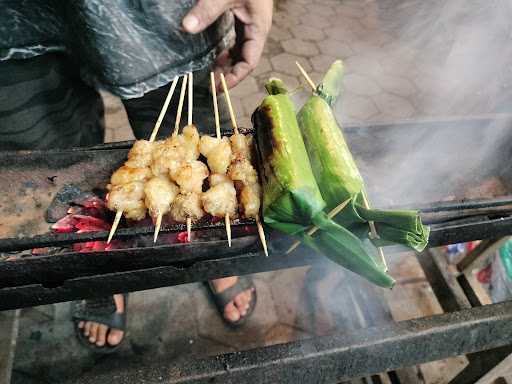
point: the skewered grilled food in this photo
(187, 206)
(220, 199)
(190, 176)
(140, 155)
(160, 192)
(242, 170)
(241, 145)
(127, 183)
(217, 151)
(168, 156)
(250, 200)
(190, 138)
(129, 199)
(245, 176)
(126, 174)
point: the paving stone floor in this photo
(404, 59)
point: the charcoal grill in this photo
(29, 182)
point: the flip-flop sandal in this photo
(101, 311)
(221, 299)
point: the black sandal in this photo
(103, 311)
(221, 299)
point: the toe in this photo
(81, 324)
(241, 302)
(102, 335)
(114, 337)
(87, 328)
(231, 312)
(93, 334)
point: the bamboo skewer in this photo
(117, 219)
(215, 104)
(371, 224)
(152, 138)
(190, 97)
(330, 215)
(261, 232)
(158, 222)
(228, 101)
(164, 109)
(373, 233)
(189, 122)
(228, 228)
(180, 105)
(306, 76)
(189, 228)
(227, 221)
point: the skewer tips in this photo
(306, 76)
(158, 224)
(261, 234)
(189, 229)
(228, 229)
(117, 219)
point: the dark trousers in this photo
(44, 104)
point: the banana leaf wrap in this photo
(292, 202)
(338, 177)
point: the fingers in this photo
(251, 54)
(256, 20)
(204, 13)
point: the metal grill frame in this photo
(41, 280)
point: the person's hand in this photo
(253, 18)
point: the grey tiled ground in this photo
(407, 59)
(404, 59)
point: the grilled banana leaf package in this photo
(338, 177)
(292, 200)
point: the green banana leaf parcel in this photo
(338, 177)
(292, 201)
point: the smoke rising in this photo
(458, 57)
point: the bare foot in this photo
(100, 334)
(237, 308)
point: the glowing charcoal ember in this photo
(182, 237)
(65, 225)
(90, 221)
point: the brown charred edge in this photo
(262, 122)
